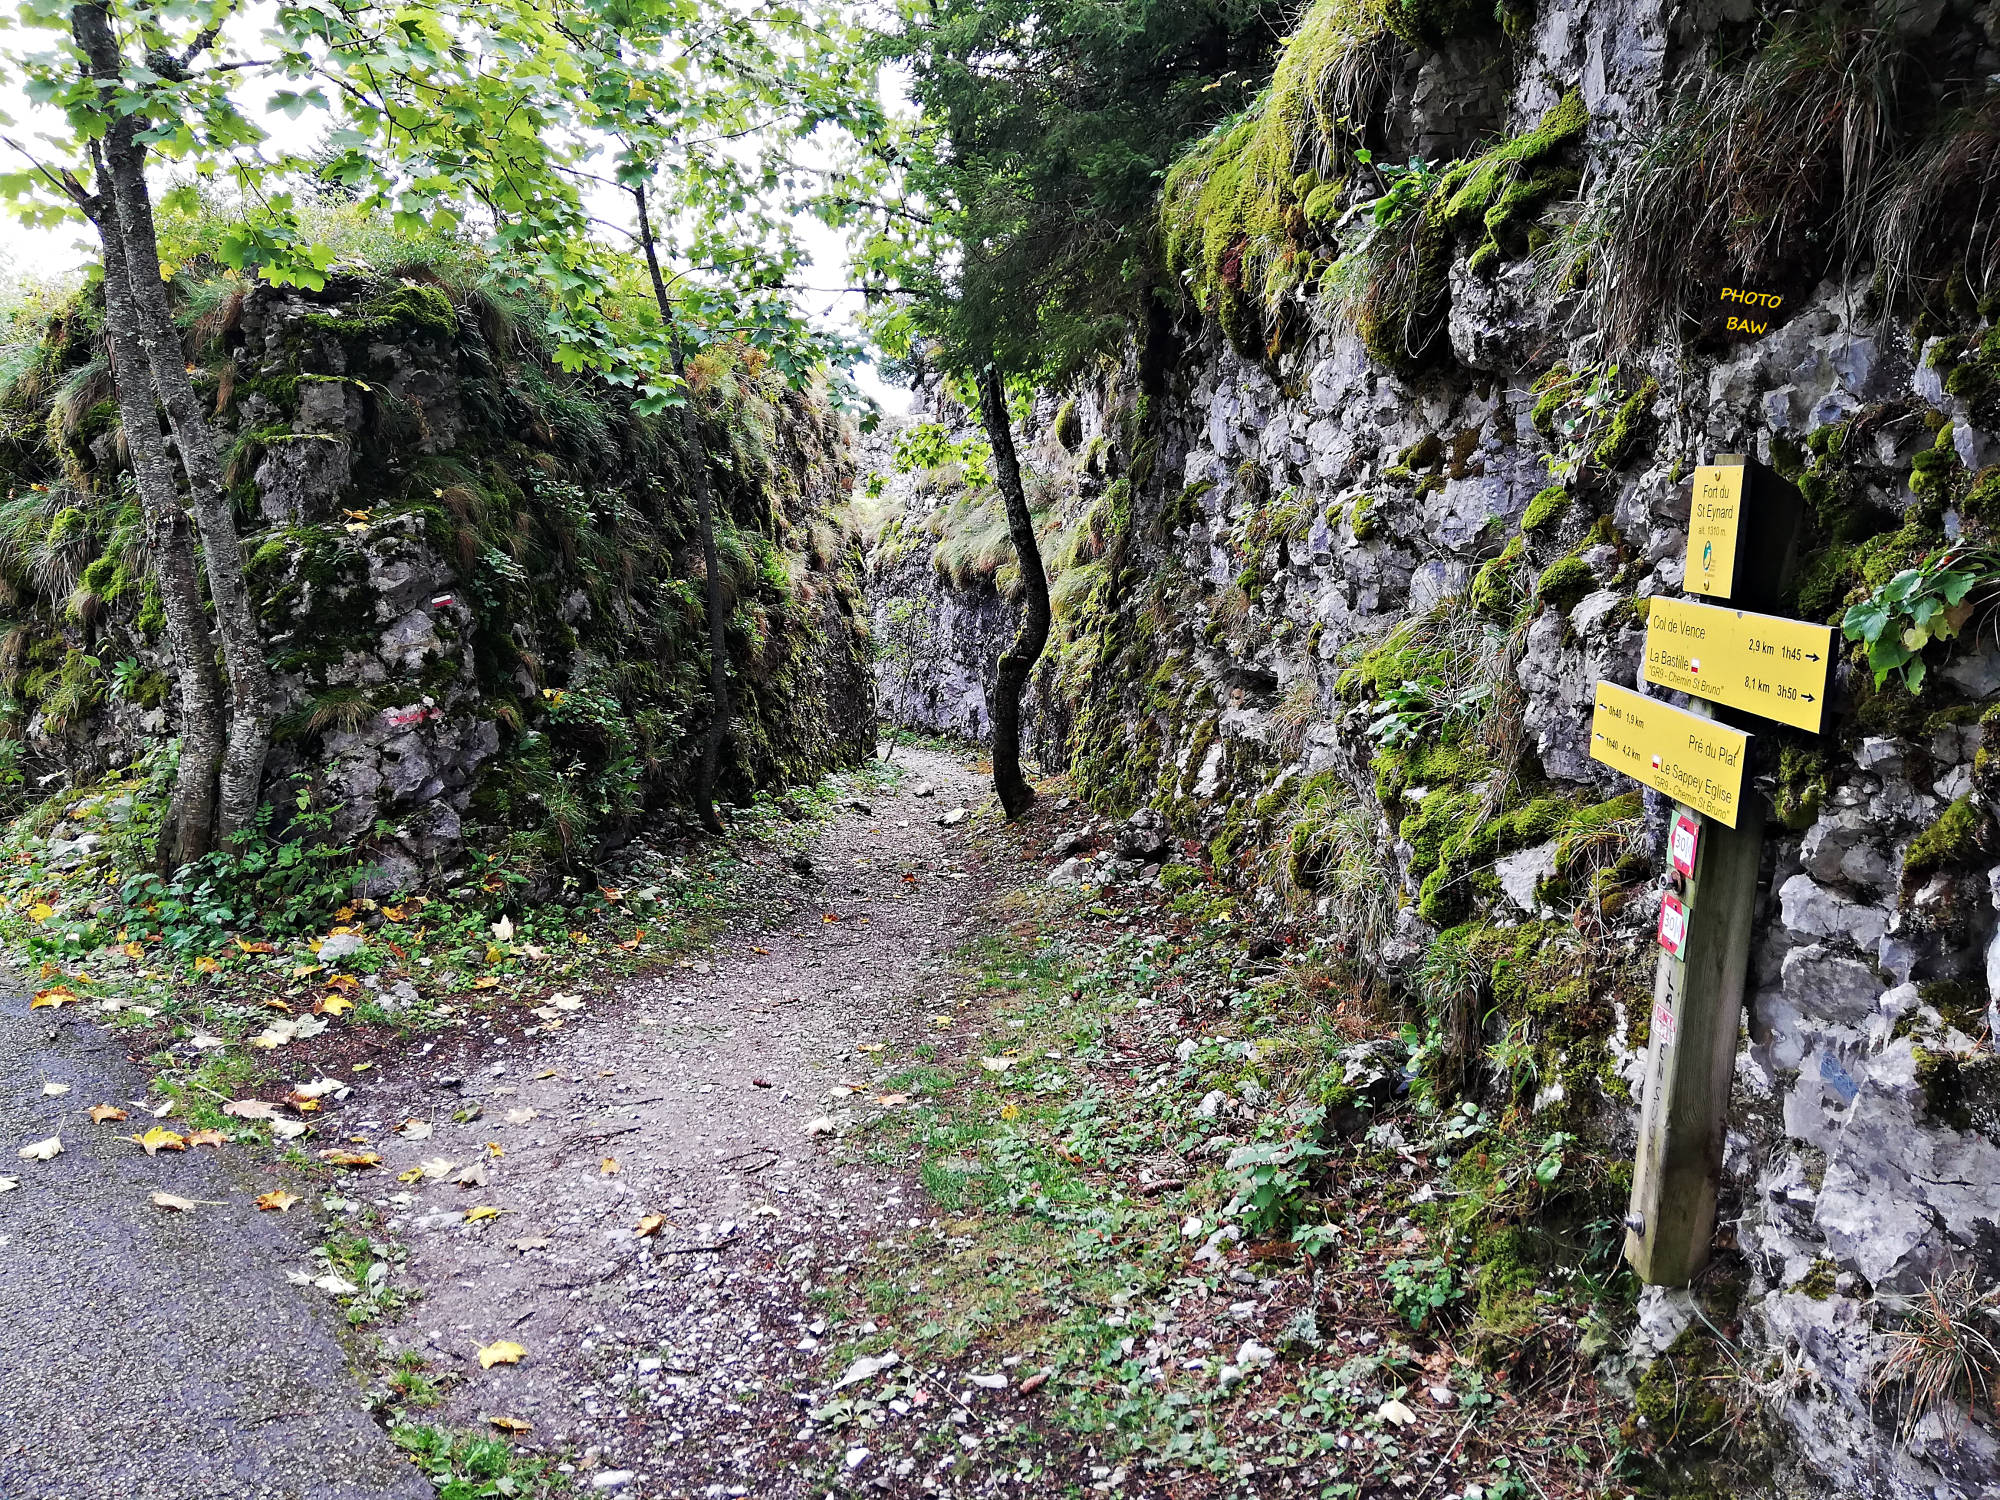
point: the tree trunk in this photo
(704, 504)
(1016, 796)
(236, 622)
(190, 822)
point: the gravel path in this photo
(147, 1354)
(704, 1096)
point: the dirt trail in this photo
(667, 1358)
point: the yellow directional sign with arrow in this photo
(1694, 760)
(1773, 667)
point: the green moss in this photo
(1564, 582)
(1068, 426)
(1627, 426)
(1817, 1283)
(1960, 1092)
(1493, 586)
(1802, 784)
(1362, 520)
(1957, 839)
(1547, 506)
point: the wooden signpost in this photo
(1742, 532)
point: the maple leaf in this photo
(41, 911)
(485, 982)
(135, 950)
(254, 947)
(159, 1139)
(276, 1201)
(503, 930)
(203, 964)
(637, 938)
(650, 1224)
(100, 1113)
(44, 998)
(503, 1352)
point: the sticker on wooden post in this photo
(1715, 519)
(1693, 760)
(1682, 842)
(1673, 924)
(1772, 667)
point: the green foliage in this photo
(928, 446)
(1043, 172)
(1546, 507)
(1419, 1289)
(1563, 582)
(472, 1466)
(1962, 832)
(1271, 1179)
(1932, 601)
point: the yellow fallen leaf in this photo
(513, 1425)
(203, 964)
(339, 1158)
(206, 1138)
(504, 1352)
(608, 1167)
(172, 1204)
(250, 1109)
(393, 913)
(484, 1211)
(41, 911)
(333, 1005)
(159, 1139)
(494, 1148)
(255, 947)
(45, 998)
(276, 1201)
(651, 1224)
(135, 950)
(485, 982)
(276, 1004)
(100, 1113)
(304, 969)
(410, 1176)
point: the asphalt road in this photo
(148, 1355)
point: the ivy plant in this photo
(1932, 601)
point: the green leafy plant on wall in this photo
(1934, 601)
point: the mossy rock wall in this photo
(479, 577)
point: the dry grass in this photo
(1945, 1349)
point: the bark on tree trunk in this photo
(704, 504)
(251, 712)
(1016, 796)
(190, 822)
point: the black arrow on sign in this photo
(1807, 696)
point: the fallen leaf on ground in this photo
(164, 1108)
(530, 1242)
(996, 1064)
(608, 1167)
(203, 964)
(319, 1088)
(335, 1285)
(159, 1139)
(54, 1088)
(867, 1368)
(339, 1158)
(250, 1109)
(433, 1167)
(289, 1130)
(520, 1116)
(410, 1176)
(513, 1425)
(504, 1352)
(651, 1224)
(276, 1004)
(486, 982)
(255, 947)
(41, 911)
(203, 1041)
(172, 1203)
(206, 1137)
(333, 1005)
(1395, 1412)
(566, 1002)
(276, 1201)
(8, 1184)
(503, 930)
(100, 1113)
(472, 1176)
(495, 1150)
(870, 1046)
(46, 998)
(824, 1125)
(892, 1098)
(415, 1130)
(484, 1211)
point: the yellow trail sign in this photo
(1715, 520)
(1770, 666)
(1694, 760)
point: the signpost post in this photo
(1742, 535)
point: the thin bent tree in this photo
(1010, 679)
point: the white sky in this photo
(40, 253)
